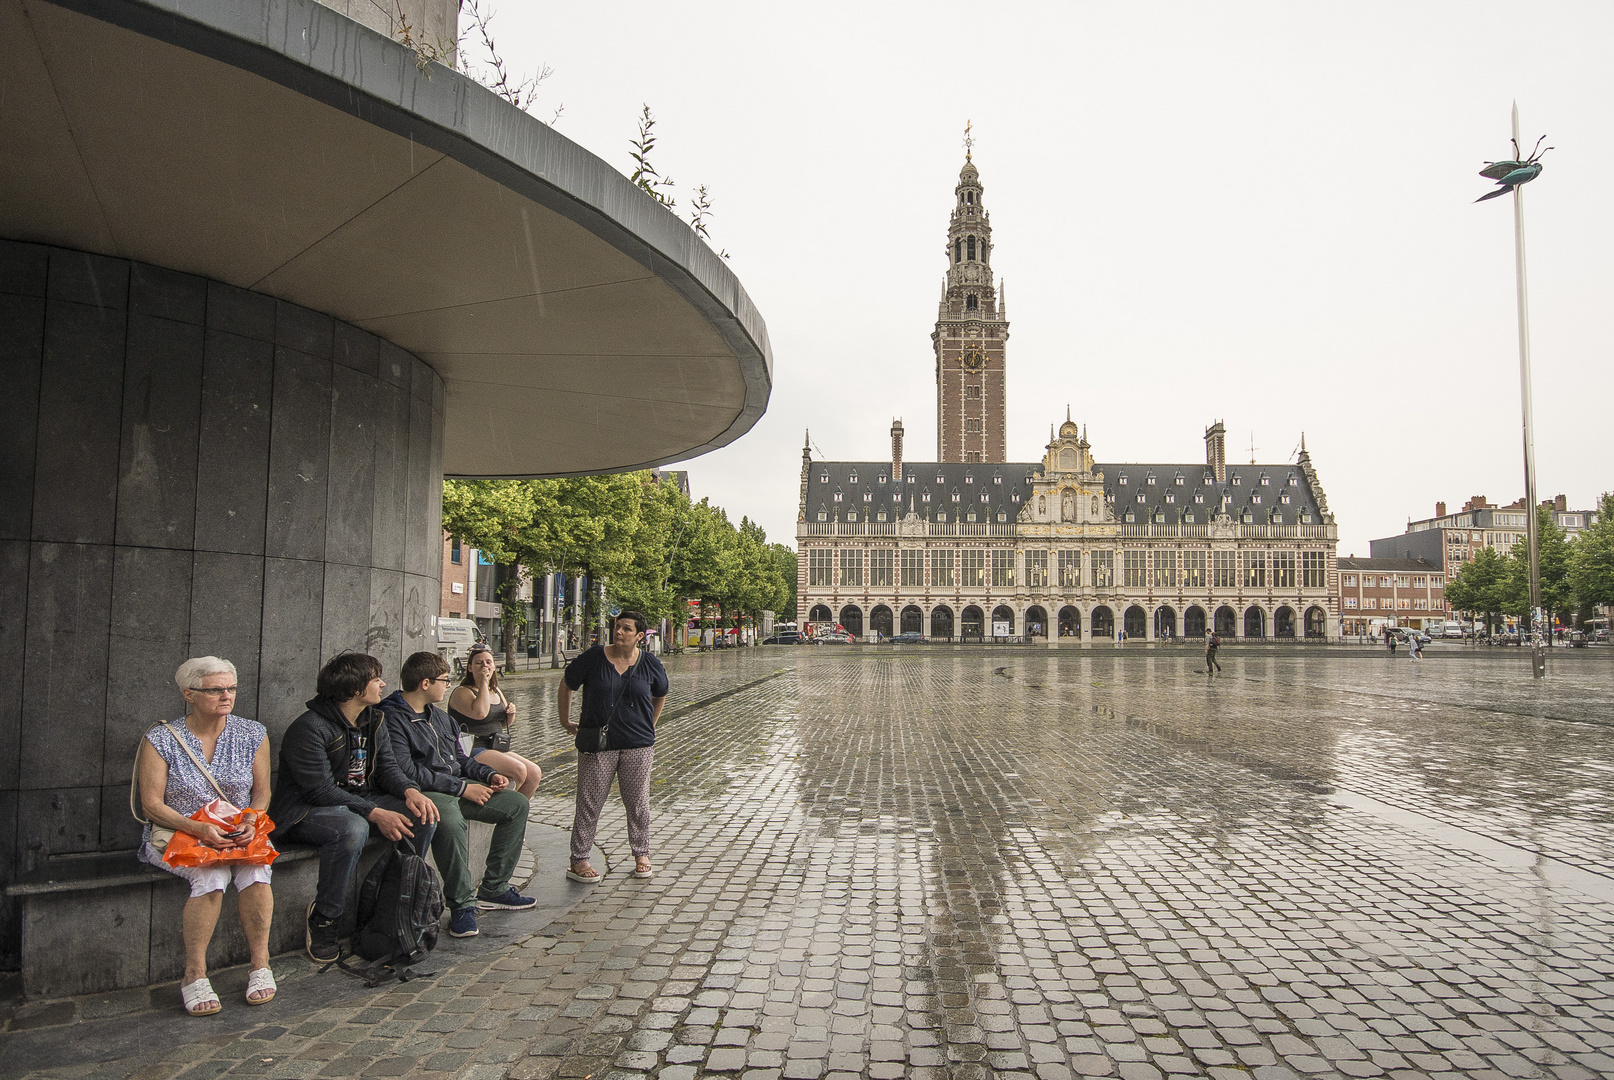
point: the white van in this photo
(1451, 629)
(454, 640)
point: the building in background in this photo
(1064, 549)
(1450, 540)
(1393, 592)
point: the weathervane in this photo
(969, 141)
(1511, 176)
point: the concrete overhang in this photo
(276, 145)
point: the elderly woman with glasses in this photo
(484, 713)
(182, 766)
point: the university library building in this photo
(1065, 550)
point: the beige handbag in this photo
(160, 836)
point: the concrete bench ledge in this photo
(101, 922)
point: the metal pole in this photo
(1539, 659)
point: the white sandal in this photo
(260, 979)
(198, 996)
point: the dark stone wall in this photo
(187, 468)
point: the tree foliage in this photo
(1480, 586)
(647, 542)
(1591, 564)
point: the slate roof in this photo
(1003, 487)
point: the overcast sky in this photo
(1259, 213)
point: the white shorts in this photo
(207, 879)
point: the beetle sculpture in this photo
(1510, 174)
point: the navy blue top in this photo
(595, 675)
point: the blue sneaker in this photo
(463, 924)
(509, 900)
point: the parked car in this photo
(1577, 638)
(1402, 633)
(789, 637)
(909, 638)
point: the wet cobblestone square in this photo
(1013, 863)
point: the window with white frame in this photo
(942, 561)
(913, 568)
(1224, 570)
(1070, 569)
(1134, 568)
(820, 567)
(1103, 569)
(880, 560)
(972, 568)
(1314, 570)
(1193, 569)
(1003, 567)
(1283, 569)
(1255, 569)
(851, 566)
(1036, 560)
(1165, 569)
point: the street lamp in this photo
(1512, 175)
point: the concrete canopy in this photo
(278, 146)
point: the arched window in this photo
(970, 303)
(969, 248)
(969, 197)
(958, 251)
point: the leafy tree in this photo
(1591, 566)
(1479, 587)
(1553, 557)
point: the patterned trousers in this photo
(631, 768)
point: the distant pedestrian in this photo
(1389, 639)
(1414, 645)
(1213, 641)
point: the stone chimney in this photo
(1216, 451)
(1561, 503)
(896, 450)
(1440, 509)
(1476, 502)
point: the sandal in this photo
(199, 998)
(642, 869)
(260, 980)
(590, 878)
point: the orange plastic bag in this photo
(185, 850)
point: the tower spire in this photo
(971, 331)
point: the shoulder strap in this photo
(183, 745)
(623, 689)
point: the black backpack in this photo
(400, 904)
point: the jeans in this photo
(506, 811)
(340, 835)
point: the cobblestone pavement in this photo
(998, 862)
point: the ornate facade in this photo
(1065, 549)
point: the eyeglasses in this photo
(217, 691)
(444, 679)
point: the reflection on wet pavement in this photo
(971, 862)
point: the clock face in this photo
(973, 359)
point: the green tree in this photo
(1553, 559)
(1479, 586)
(1591, 566)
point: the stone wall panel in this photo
(150, 638)
(64, 667)
(232, 478)
(299, 457)
(162, 396)
(80, 408)
(22, 339)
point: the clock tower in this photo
(970, 335)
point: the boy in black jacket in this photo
(426, 745)
(338, 778)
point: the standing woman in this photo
(624, 688)
(482, 710)
(178, 764)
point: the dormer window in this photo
(1235, 481)
(997, 479)
(851, 515)
(1285, 500)
(1199, 499)
(1123, 480)
(955, 496)
(1189, 517)
(853, 478)
(970, 516)
(1178, 480)
(823, 478)
(837, 496)
(1171, 498)
(1305, 517)
(1255, 499)
(896, 496)
(925, 497)
(1292, 480)
(1129, 516)
(941, 515)
(969, 478)
(823, 516)
(1210, 478)
(880, 516)
(983, 496)
(912, 478)
(882, 478)
(940, 479)
(1265, 480)
(1015, 497)
(1002, 516)
(1149, 480)
(868, 496)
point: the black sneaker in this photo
(509, 900)
(323, 941)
